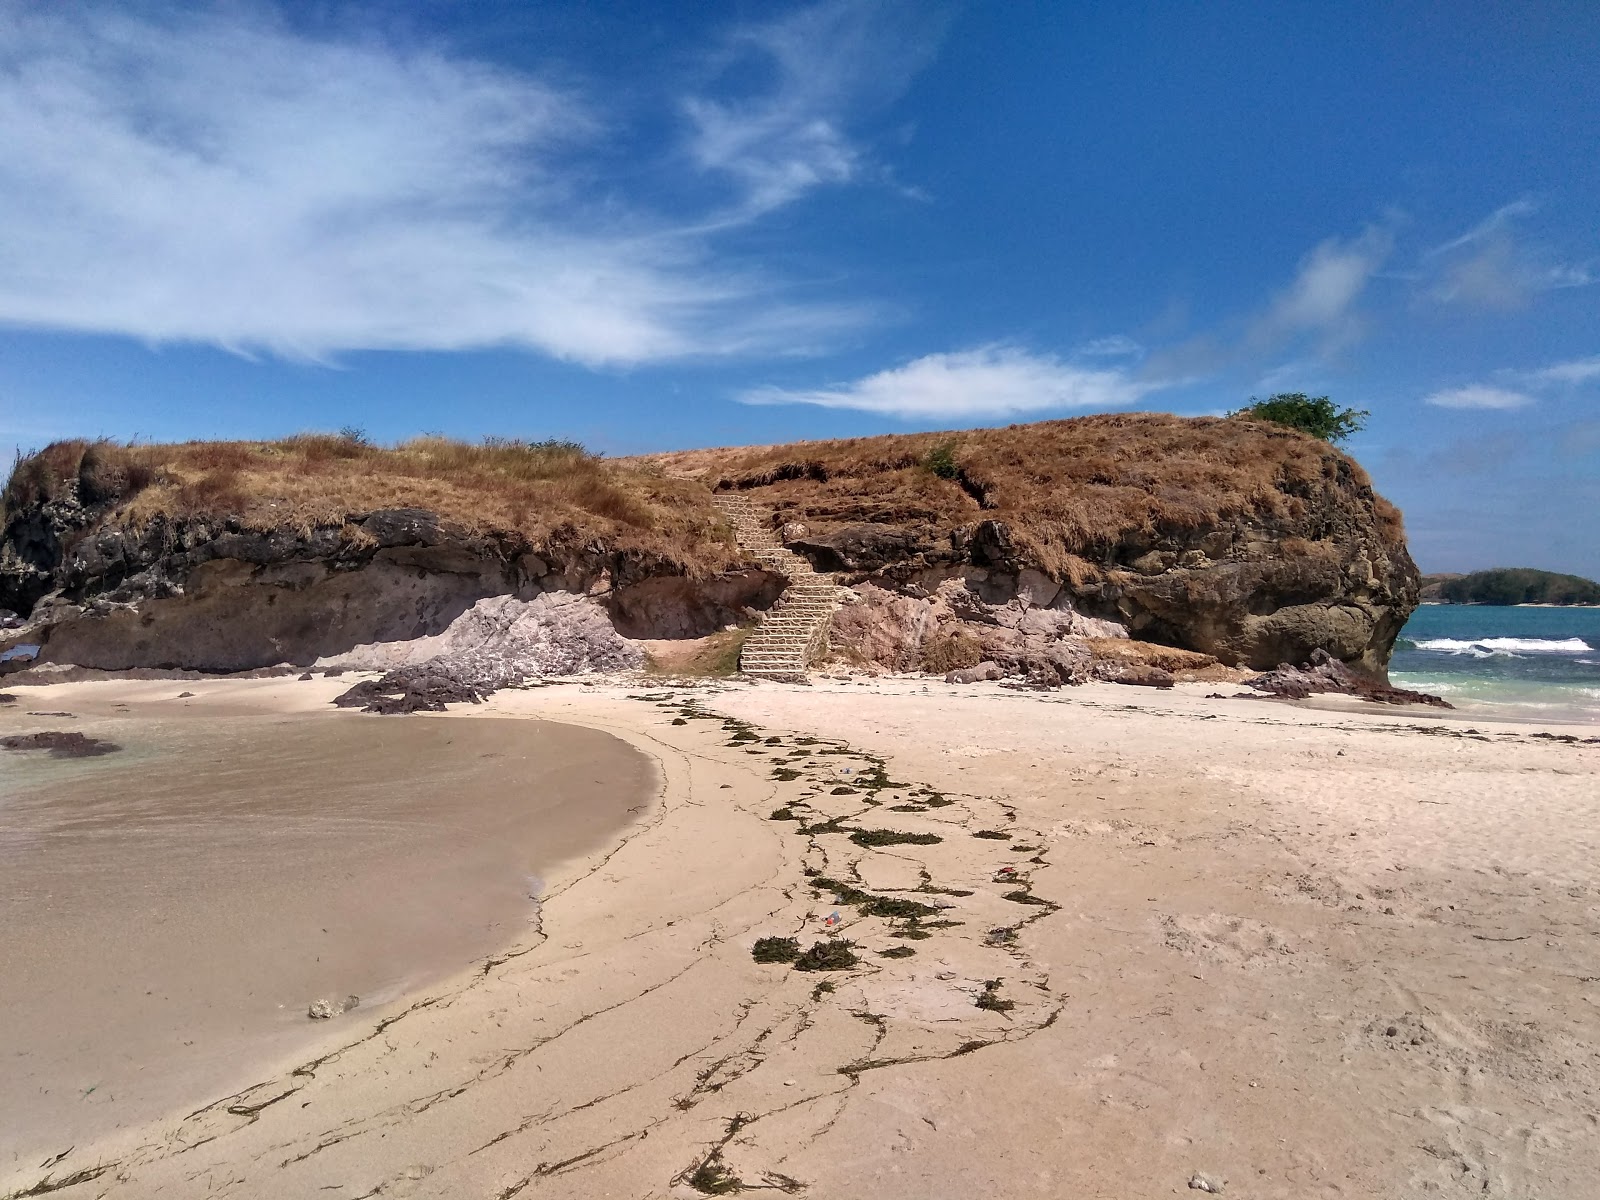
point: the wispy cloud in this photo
(1325, 288)
(1578, 370)
(1478, 395)
(1490, 225)
(828, 63)
(1514, 388)
(989, 382)
(222, 178)
(1117, 345)
(1491, 267)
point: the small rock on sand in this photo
(1204, 1183)
(321, 1010)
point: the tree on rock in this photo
(1316, 415)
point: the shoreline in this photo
(1234, 903)
(319, 857)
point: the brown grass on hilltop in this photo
(311, 480)
(1076, 493)
(1072, 490)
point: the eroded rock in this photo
(1324, 674)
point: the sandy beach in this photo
(1259, 946)
(173, 909)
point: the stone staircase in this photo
(795, 630)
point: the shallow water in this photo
(168, 912)
(1541, 663)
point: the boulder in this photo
(983, 672)
(1141, 675)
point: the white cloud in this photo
(828, 62)
(1579, 370)
(1488, 267)
(1478, 396)
(220, 178)
(1572, 373)
(990, 382)
(1493, 223)
(1327, 284)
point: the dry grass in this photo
(1080, 495)
(1074, 492)
(950, 652)
(545, 491)
(715, 656)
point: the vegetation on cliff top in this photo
(1073, 492)
(1510, 585)
(1316, 415)
(538, 489)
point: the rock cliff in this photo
(1237, 539)
(1244, 542)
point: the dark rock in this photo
(60, 745)
(425, 688)
(860, 547)
(1324, 674)
(307, 676)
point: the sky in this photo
(652, 225)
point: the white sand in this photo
(1306, 953)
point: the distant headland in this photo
(1510, 585)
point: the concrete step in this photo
(780, 645)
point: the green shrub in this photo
(941, 460)
(1317, 416)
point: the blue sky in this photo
(652, 225)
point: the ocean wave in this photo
(1485, 647)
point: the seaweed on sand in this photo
(892, 907)
(712, 1178)
(1023, 896)
(893, 837)
(834, 954)
(990, 999)
(775, 950)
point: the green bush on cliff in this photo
(1317, 415)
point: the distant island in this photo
(1510, 585)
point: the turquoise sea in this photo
(1536, 663)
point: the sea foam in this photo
(1483, 647)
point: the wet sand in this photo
(170, 910)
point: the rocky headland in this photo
(1137, 547)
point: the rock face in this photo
(1235, 597)
(1244, 544)
(954, 629)
(1237, 539)
(212, 595)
